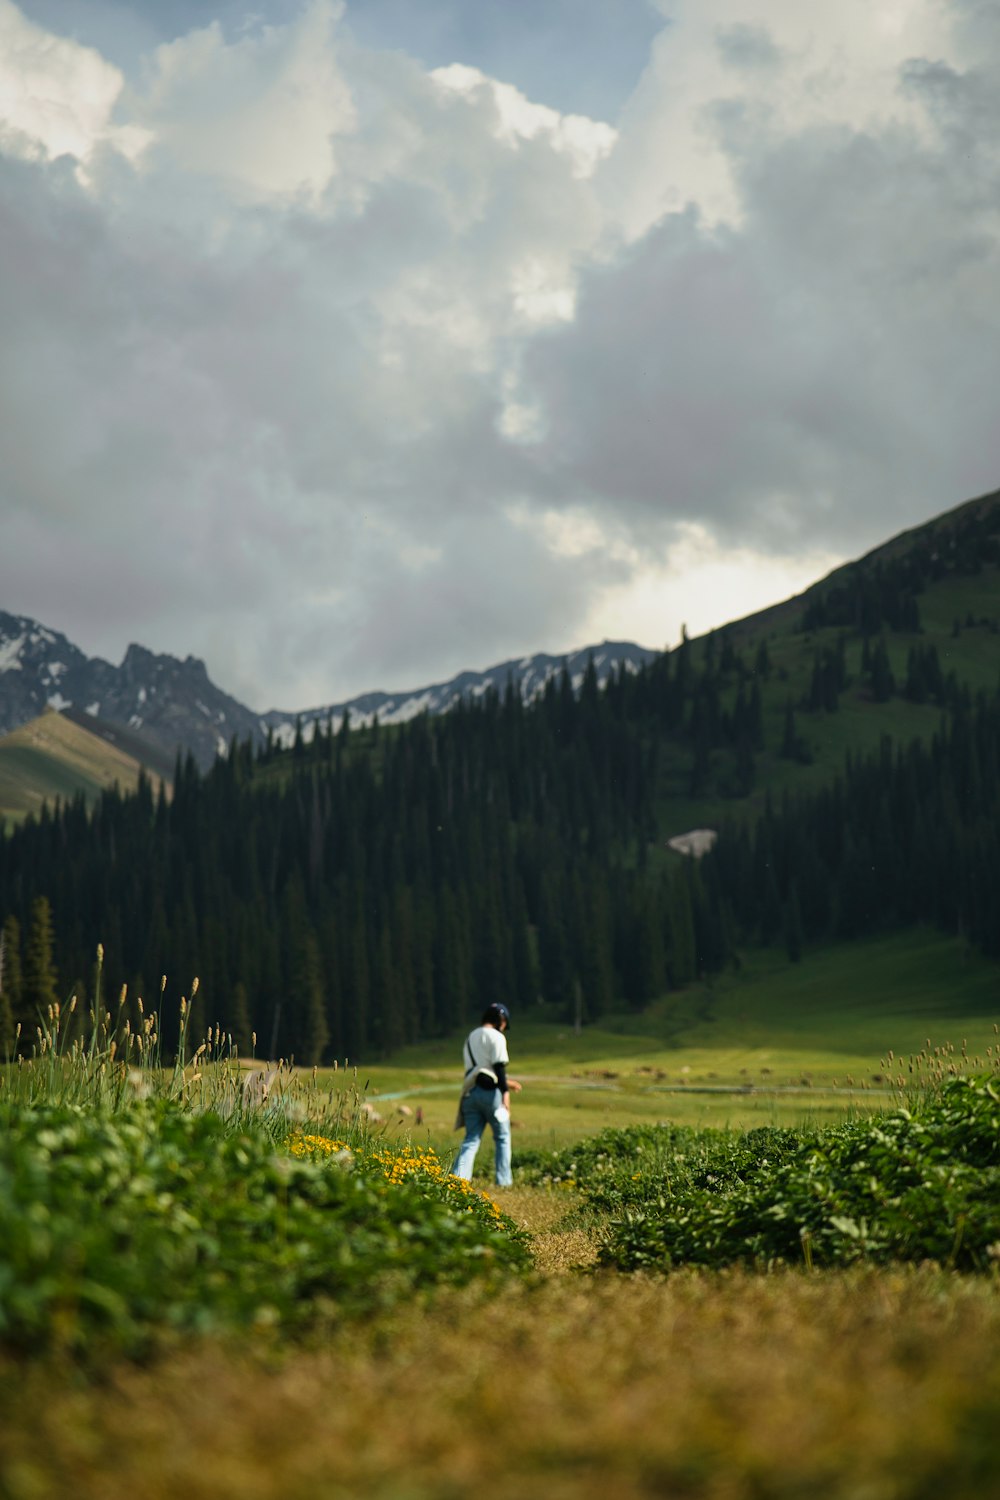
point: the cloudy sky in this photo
(348, 345)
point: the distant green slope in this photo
(843, 1008)
(30, 775)
(52, 757)
(133, 743)
(809, 1040)
(959, 620)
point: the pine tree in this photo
(596, 967)
(40, 988)
(10, 982)
(452, 996)
(789, 738)
(883, 681)
(701, 761)
(793, 925)
(356, 973)
(755, 722)
(771, 908)
(386, 1001)
(554, 944)
(311, 1029)
(745, 766)
(522, 953)
(762, 661)
(240, 1027)
(647, 972)
(683, 961)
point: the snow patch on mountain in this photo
(10, 654)
(174, 706)
(528, 677)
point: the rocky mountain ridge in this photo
(170, 704)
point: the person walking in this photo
(486, 1091)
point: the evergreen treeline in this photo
(909, 834)
(374, 888)
(872, 596)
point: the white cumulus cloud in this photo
(344, 372)
(57, 97)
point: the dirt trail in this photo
(543, 1212)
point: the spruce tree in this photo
(555, 943)
(793, 925)
(883, 681)
(239, 1025)
(312, 1031)
(41, 985)
(762, 661)
(10, 982)
(683, 961)
(789, 738)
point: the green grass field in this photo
(875, 1382)
(774, 1043)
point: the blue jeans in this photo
(482, 1107)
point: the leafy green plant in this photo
(418, 1166)
(916, 1184)
(623, 1167)
(117, 1229)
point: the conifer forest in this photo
(374, 887)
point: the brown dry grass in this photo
(870, 1385)
(557, 1244)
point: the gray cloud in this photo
(825, 370)
(746, 46)
(275, 425)
(312, 416)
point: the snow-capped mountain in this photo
(174, 704)
(527, 674)
(170, 702)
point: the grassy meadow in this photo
(748, 1253)
(883, 1385)
(775, 1043)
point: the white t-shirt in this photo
(483, 1047)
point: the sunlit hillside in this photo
(52, 757)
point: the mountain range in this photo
(162, 704)
(838, 753)
(932, 590)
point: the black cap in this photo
(496, 1013)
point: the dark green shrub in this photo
(644, 1163)
(914, 1185)
(116, 1228)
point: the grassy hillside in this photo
(959, 619)
(54, 757)
(951, 569)
(775, 1042)
(958, 596)
(134, 743)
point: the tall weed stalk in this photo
(117, 1059)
